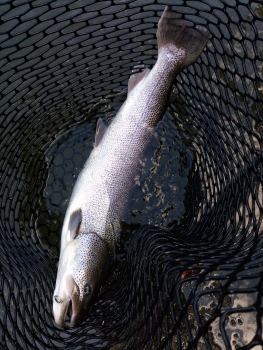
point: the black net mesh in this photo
(196, 281)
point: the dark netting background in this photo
(197, 285)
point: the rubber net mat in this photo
(188, 275)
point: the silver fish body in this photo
(104, 185)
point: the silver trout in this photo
(91, 225)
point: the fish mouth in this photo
(73, 317)
(69, 308)
(70, 313)
(60, 313)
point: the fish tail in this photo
(178, 39)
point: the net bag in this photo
(194, 281)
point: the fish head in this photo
(83, 268)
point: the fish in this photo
(91, 227)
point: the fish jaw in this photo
(82, 270)
(60, 311)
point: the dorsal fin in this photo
(100, 131)
(135, 78)
(74, 223)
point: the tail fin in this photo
(174, 31)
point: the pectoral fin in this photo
(74, 224)
(100, 131)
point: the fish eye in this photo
(57, 299)
(87, 289)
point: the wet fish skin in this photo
(103, 187)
